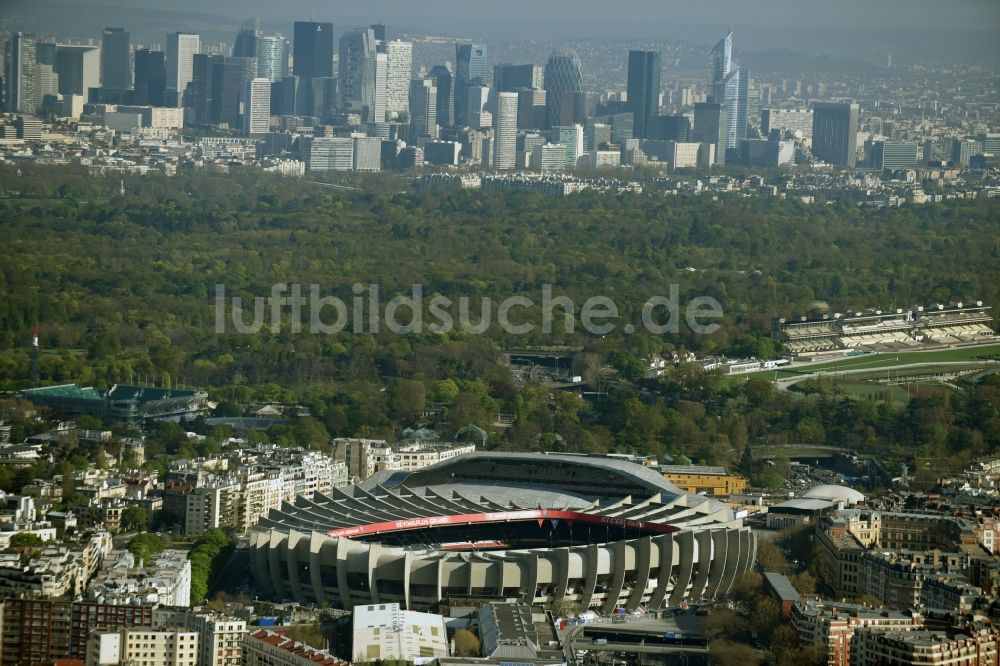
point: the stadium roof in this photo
(63, 391)
(434, 536)
(584, 475)
(834, 493)
(514, 496)
(445, 497)
(146, 393)
(800, 504)
(120, 401)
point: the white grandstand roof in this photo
(833, 493)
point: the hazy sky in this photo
(931, 14)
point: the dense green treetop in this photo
(123, 289)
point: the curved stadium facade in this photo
(598, 532)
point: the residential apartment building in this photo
(220, 637)
(142, 646)
(260, 491)
(904, 530)
(835, 625)
(977, 645)
(897, 577)
(212, 506)
(419, 455)
(237, 491)
(365, 457)
(890, 554)
(385, 631)
(57, 571)
(165, 579)
(42, 630)
(268, 648)
(950, 593)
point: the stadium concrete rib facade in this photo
(597, 532)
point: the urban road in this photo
(638, 629)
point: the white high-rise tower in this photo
(729, 86)
(505, 131)
(257, 107)
(181, 48)
(399, 72)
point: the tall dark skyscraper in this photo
(203, 86)
(563, 88)
(229, 83)
(835, 133)
(710, 123)
(319, 96)
(511, 78)
(312, 50)
(21, 74)
(115, 51)
(669, 128)
(531, 109)
(423, 108)
(444, 81)
(219, 87)
(470, 70)
(79, 69)
(379, 30)
(150, 77)
(298, 96)
(245, 45)
(643, 89)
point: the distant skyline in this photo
(964, 32)
(980, 15)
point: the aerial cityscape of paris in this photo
(440, 333)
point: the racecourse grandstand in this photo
(953, 323)
(808, 336)
(874, 327)
(877, 330)
(542, 529)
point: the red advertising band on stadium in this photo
(500, 516)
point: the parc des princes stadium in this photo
(594, 532)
